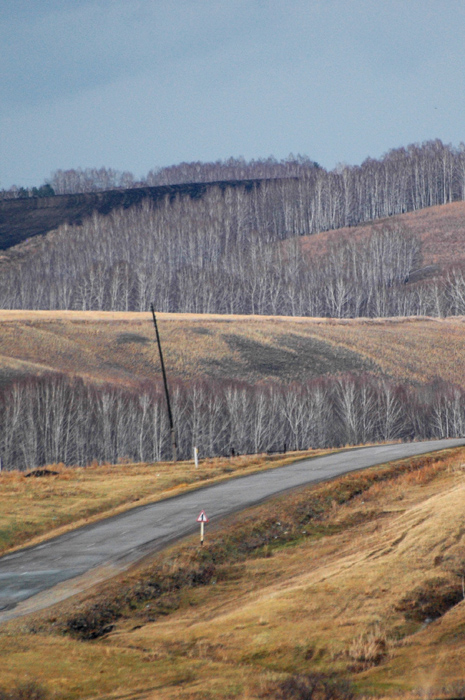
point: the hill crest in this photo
(21, 219)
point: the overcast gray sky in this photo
(136, 84)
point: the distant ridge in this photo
(21, 219)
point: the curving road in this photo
(63, 566)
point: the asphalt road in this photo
(45, 573)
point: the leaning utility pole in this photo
(170, 415)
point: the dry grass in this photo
(323, 601)
(120, 348)
(441, 230)
(32, 509)
(408, 349)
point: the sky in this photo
(141, 84)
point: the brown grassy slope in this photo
(441, 230)
(327, 601)
(120, 347)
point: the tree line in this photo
(82, 180)
(15, 192)
(404, 179)
(231, 251)
(54, 418)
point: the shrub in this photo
(162, 586)
(94, 621)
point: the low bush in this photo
(160, 586)
(95, 621)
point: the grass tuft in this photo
(368, 649)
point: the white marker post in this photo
(202, 519)
(196, 457)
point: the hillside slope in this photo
(237, 251)
(120, 347)
(351, 578)
(440, 229)
(21, 219)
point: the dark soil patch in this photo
(293, 357)
(430, 600)
(123, 338)
(201, 331)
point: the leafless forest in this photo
(236, 250)
(404, 179)
(232, 251)
(56, 419)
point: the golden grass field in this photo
(327, 600)
(120, 347)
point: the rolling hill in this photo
(440, 229)
(354, 579)
(228, 248)
(120, 347)
(22, 219)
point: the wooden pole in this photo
(165, 383)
